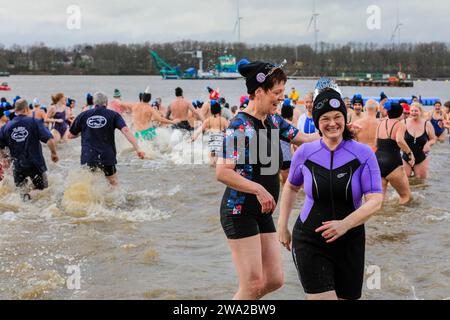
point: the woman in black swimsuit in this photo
(390, 140)
(420, 137)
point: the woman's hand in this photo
(332, 230)
(412, 160)
(265, 199)
(285, 238)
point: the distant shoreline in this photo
(3, 78)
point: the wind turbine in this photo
(398, 25)
(237, 25)
(316, 30)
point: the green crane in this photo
(165, 69)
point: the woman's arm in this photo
(304, 138)
(225, 173)
(431, 135)
(332, 230)
(400, 138)
(287, 202)
(200, 130)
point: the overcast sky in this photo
(275, 22)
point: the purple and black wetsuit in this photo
(334, 184)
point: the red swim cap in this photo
(406, 107)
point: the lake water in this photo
(158, 236)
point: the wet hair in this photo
(395, 111)
(140, 96)
(438, 102)
(278, 76)
(146, 97)
(178, 92)
(215, 107)
(57, 97)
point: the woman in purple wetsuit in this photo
(59, 115)
(328, 240)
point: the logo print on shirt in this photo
(96, 122)
(19, 134)
(341, 175)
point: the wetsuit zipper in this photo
(331, 186)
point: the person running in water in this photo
(366, 128)
(437, 118)
(89, 103)
(420, 137)
(23, 136)
(336, 172)
(215, 127)
(179, 109)
(249, 167)
(59, 114)
(37, 112)
(142, 115)
(98, 148)
(116, 103)
(390, 140)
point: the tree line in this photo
(421, 60)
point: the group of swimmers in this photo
(338, 150)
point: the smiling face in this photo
(357, 107)
(332, 125)
(270, 100)
(309, 103)
(437, 107)
(415, 112)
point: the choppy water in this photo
(158, 236)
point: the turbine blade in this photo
(310, 23)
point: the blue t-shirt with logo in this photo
(97, 135)
(23, 136)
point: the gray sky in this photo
(278, 21)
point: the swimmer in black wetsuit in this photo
(420, 137)
(390, 140)
(249, 167)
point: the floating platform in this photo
(424, 101)
(373, 83)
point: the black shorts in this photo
(107, 170)
(38, 178)
(244, 225)
(323, 267)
